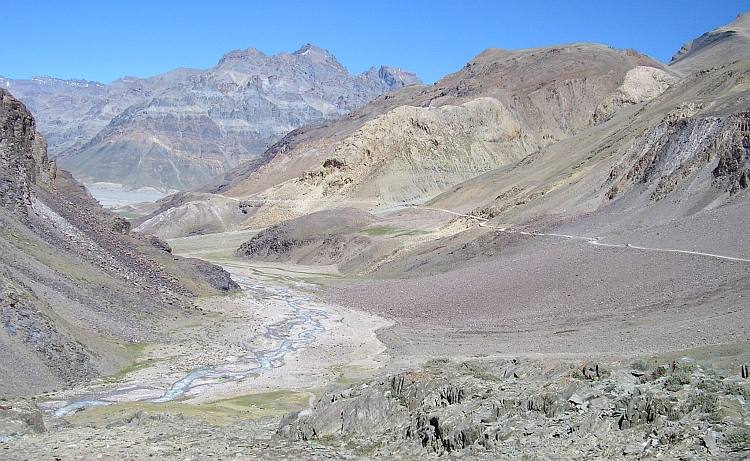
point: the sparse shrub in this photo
(739, 389)
(675, 414)
(659, 372)
(640, 365)
(688, 365)
(437, 363)
(374, 231)
(401, 400)
(334, 163)
(704, 403)
(715, 417)
(739, 439)
(707, 403)
(679, 378)
(326, 439)
(481, 371)
(674, 387)
(708, 386)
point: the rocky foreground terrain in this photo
(478, 409)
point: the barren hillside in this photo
(75, 286)
(542, 256)
(411, 145)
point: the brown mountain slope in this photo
(519, 140)
(684, 146)
(415, 143)
(75, 285)
(716, 48)
(676, 158)
(543, 95)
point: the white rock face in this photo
(641, 84)
(407, 155)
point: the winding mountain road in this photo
(484, 222)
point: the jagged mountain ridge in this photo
(75, 285)
(179, 129)
(72, 112)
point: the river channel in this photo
(252, 363)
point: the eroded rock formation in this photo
(518, 409)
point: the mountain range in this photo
(528, 139)
(177, 130)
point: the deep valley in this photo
(541, 256)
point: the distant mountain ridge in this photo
(176, 130)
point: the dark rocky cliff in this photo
(75, 285)
(23, 156)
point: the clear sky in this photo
(105, 40)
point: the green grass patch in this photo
(350, 374)
(129, 215)
(135, 351)
(390, 255)
(375, 231)
(216, 257)
(61, 261)
(410, 233)
(219, 413)
(279, 402)
(393, 232)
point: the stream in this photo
(253, 362)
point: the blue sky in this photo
(106, 40)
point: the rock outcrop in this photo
(516, 409)
(23, 158)
(640, 84)
(324, 238)
(676, 150)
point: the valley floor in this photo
(551, 298)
